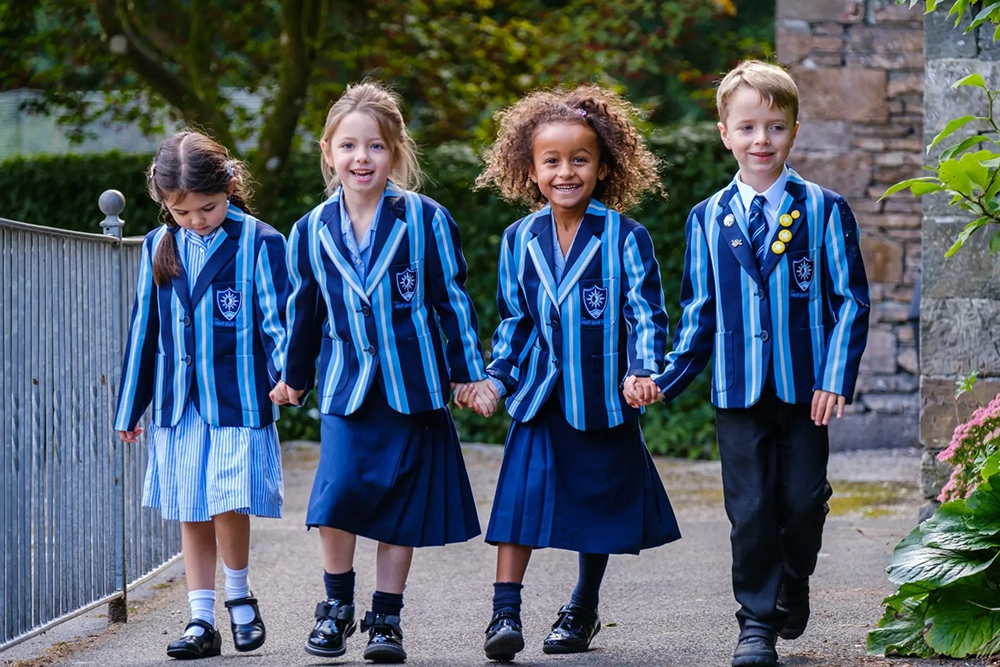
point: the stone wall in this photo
(960, 328)
(859, 67)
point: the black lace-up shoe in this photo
(573, 630)
(247, 636)
(385, 638)
(793, 598)
(755, 650)
(334, 624)
(193, 647)
(504, 638)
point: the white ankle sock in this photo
(202, 608)
(237, 587)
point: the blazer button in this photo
(188, 360)
(366, 311)
(555, 324)
(371, 350)
(764, 336)
(761, 294)
(187, 320)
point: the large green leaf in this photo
(964, 145)
(901, 632)
(985, 505)
(911, 591)
(908, 183)
(950, 127)
(917, 562)
(992, 465)
(963, 618)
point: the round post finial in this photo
(111, 203)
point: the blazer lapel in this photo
(793, 204)
(224, 247)
(332, 240)
(180, 282)
(732, 228)
(389, 233)
(585, 247)
(540, 248)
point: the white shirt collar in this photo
(773, 194)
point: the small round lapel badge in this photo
(785, 220)
(784, 236)
(729, 220)
(795, 215)
(778, 247)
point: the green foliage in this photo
(63, 191)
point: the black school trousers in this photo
(775, 488)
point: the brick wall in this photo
(859, 67)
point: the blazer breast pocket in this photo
(232, 306)
(406, 281)
(598, 303)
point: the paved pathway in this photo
(669, 607)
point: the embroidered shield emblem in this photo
(803, 270)
(229, 302)
(406, 283)
(595, 300)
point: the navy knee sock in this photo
(588, 584)
(389, 604)
(507, 597)
(340, 586)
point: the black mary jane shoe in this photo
(334, 624)
(755, 650)
(192, 647)
(504, 638)
(793, 598)
(573, 631)
(385, 638)
(247, 636)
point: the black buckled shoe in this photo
(247, 636)
(573, 630)
(504, 638)
(793, 598)
(385, 638)
(755, 649)
(334, 624)
(192, 647)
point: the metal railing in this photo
(73, 533)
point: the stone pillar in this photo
(859, 67)
(960, 309)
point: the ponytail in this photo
(166, 263)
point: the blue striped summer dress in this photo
(196, 470)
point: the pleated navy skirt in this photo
(395, 478)
(586, 491)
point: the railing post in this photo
(111, 203)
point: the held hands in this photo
(130, 436)
(282, 394)
(480, 396)
(823, 405)
(641, 391)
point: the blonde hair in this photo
(632, 168)
(774, 85)
(383, 105)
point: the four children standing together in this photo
(368, 307)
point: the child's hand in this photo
(130, 436)
(823, 405)
(464, 394)
(279, 395)
(486, 398)
(641, 391)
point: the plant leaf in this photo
(908, 591)
(963, 145)
(963, 618)
(918, 562)
(919, 189)
(908, 183)
(965, 234)
(974, 79)
(985, 505)
(901, 632)
(994, 247)
(950, 127)
(982, 17)
(992, 465)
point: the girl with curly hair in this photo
(582, 319)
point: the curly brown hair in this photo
(632, 168)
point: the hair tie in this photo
(580, 112)
(229, 168)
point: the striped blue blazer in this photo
(411, 326)
(798, 322)
(221, 343)
(603, 322)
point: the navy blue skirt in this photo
(586, 491)
(395, 478)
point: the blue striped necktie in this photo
(757, 226)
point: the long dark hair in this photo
(190, 162)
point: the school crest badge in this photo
(406, 283)
(803, 271)
(595, 300)
(229, 302)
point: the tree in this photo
(454, 62)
